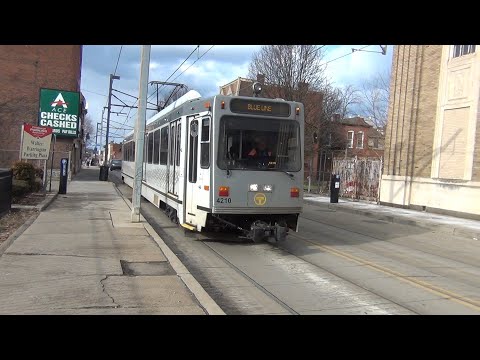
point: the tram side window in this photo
(164, 145)
(132, 153)
(179, 128)
(205, 144)
(172, 144)
(156, 146)
(193, 152)
(150, 147)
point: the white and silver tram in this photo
(224, 162)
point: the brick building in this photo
(355, 137)
(114, 152)
(24, 70)
(432, 145)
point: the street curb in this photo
(397, 220)
(46, 203)
(40, 207)
(210, 306)
(5, 245)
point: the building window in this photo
(460, 50)
(373, 143)
(360, 140)
(350, 139)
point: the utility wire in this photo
(194, 62)
(350, 53)
(188, 57)
(93, 92)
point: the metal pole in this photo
(380, 180)
(101, 137)
(45, 176)
(108, 117)
(51, 165)
(96, 138)
(140, 133)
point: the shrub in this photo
(24, 171)
(20, 188)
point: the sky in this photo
(213, 67)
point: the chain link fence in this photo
(359, 177)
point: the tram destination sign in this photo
(270, 108)
(59, 110)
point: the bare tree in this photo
(287, 67)
(350, 96)
(294, 73)
(88, 127)
(375, 95)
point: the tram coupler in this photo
(280, 232)
(259, 230)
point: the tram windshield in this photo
(259, 144)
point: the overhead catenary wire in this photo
(129, 111)
(200, 57)
(179, 66)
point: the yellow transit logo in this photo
(260, 199)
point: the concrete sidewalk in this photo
(82, 255)
(449, 224)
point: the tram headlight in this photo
(253, 187)
(268, 188)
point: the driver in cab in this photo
(260, 152)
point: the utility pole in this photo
(96, 141)
(105, 167)
(140, 133)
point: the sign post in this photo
(35, 142)
(63, 176)
(51, 166)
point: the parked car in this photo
(116, 164)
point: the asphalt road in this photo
(338, 263)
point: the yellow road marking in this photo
(450, 295)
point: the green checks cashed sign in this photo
(60, 110)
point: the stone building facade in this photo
(432, 144)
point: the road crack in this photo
(105, 291)
(44, 254)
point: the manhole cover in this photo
(152, 268)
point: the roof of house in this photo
(355, 121)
